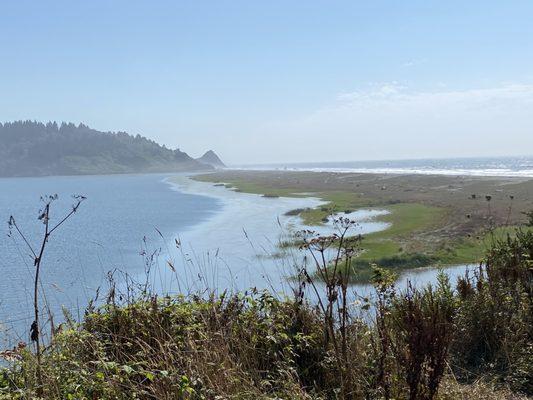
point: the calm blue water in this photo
(228, 240)
(106, 233)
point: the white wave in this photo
(488, 172)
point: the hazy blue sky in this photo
(268, 81)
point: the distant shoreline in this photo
(376, 171)
(514, 166)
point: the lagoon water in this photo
(192, 236)
(125, 220)
(105, 234)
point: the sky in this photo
(279, 81)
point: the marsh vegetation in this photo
(434, 220)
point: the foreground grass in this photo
(435, 343)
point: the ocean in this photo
(481, 166)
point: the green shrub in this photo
(253, 345)
(495, 315)
(421, 331)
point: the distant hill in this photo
(211, 158)
(29, 148)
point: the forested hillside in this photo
(29, 148)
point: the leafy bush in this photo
(422, 329)
(495, 314)
(418, 344)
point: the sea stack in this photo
(211, 158)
